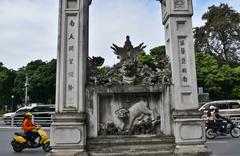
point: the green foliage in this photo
(42, 82)
(147, 59)
(19, 85)
(236, 81)
(6, 86)
(1, 113)
(42, 77)
(160, 51)
(220, 35)
(220, 81)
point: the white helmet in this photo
(212, 107)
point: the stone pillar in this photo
(68, 131)
(188, 127)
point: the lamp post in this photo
(26, 91)
(12, 102)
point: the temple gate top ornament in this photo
(128, 51)
(129, 70)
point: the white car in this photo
(7, 118)
(227, 108)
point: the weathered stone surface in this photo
(124, 103)
(131, 146)
(192, 150)
(188, 128)
(66, 152)
(128, 108)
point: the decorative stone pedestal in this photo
(189, 134)
(68, 134)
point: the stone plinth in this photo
(68, 134)
(131, 145)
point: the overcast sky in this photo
(28, 28)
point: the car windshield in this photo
(22, 110)
(42, 109)
(206, 106)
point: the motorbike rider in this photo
(210, 115)
(29, 128)
(219, 121)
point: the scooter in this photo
(231, 128)
(20, 141)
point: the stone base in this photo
(67, 153)
(192, 150)
(131, 146)
(68, 135)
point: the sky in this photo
(29, 28)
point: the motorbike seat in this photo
(20, 134)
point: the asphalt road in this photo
(221, 146)
(224, 146)
(6, 135)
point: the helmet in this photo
(212, 107)
(28, 114)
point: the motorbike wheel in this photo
(16, 146)
(235, 132)
(46, 147)
(210, 133)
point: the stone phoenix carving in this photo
(128, 51)
(129, 70)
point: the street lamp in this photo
(12, 102)
(26, 91)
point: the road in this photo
(221, 146)
(224, 146)
(6, 135)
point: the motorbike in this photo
(212, 131)
(20, 141)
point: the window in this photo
(207, 106)
(234, 105)
(22, 110)
(43, 109)
(223, 105)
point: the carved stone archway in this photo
(69, 131)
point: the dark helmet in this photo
(216, 110)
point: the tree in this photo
(19, 85)
(220, 35)
(6, 86)
(236, 81)
(147, 59)
(42, 81)
(220, 81)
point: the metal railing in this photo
(17, 121)
(234, 119)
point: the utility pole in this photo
(26, 91)
(12, 102)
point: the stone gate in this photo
(117, 113)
